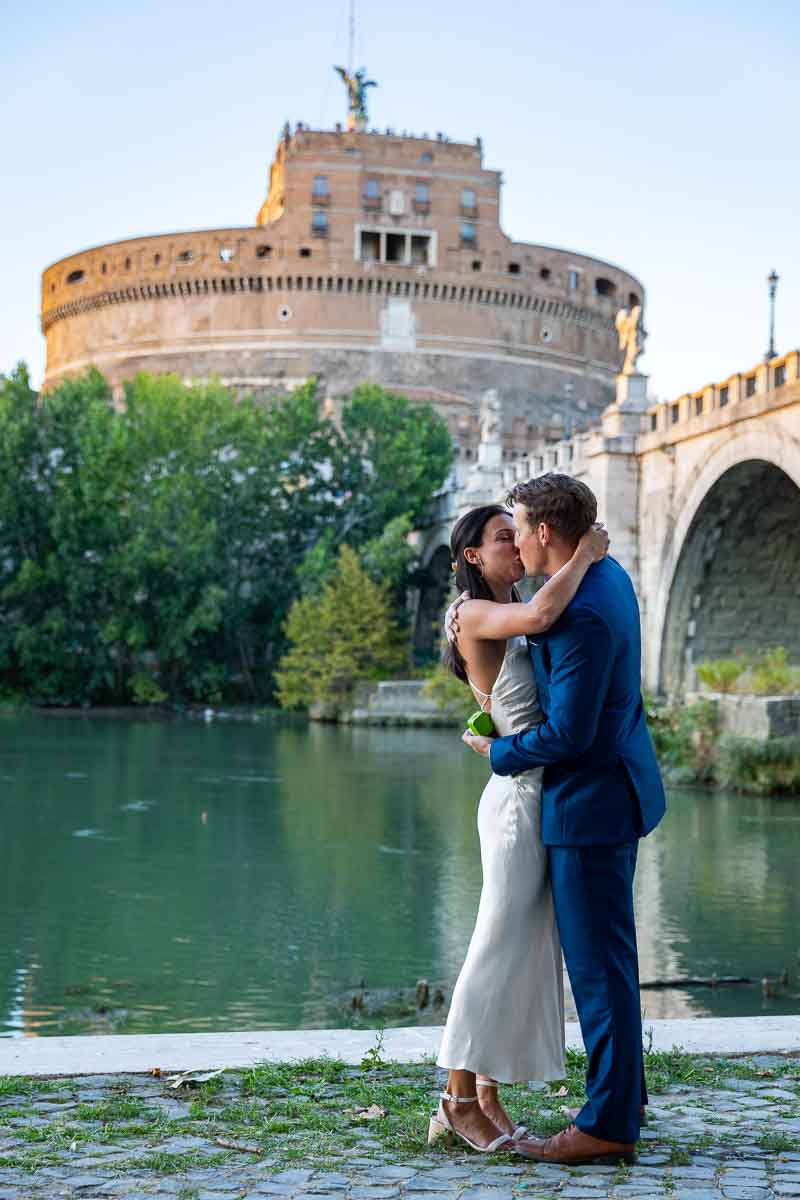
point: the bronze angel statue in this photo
(357, 86)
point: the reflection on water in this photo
(185, 876)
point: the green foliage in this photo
(684, 737)
(771, 674)
(154, 552)
(721, 674)
(766, 674)
(391, 458)
(765, 768)
(145, 690)
(389, 557)
(449, 693)
(339, 638)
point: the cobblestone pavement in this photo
(738, 1139)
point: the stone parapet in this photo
(757, 717)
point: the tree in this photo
(154, 551)
(392, 457)
(339, 638)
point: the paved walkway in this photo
(197, 1051)
(736, 1138)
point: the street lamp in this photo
(772, 285)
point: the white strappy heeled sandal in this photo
(520, 1131)
(440, 1127)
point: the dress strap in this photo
(486, 695)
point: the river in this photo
(181, 876)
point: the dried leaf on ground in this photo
(238, 1146)
(193, 1078)
(373, 1113)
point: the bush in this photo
(449, 693)
(771, 675)
(684, 737)
(765, 768)
(765, 674)
(339, 638)
(721, 674)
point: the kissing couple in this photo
(574, 785)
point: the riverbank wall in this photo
(209, 1051)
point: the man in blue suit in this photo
(602, 792)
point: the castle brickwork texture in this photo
(374, 257)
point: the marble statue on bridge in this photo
(631, 336)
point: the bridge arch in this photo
(732, 564)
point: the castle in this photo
(375, 256)
(381, 256)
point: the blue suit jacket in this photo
(602, 784)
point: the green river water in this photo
(183, 876)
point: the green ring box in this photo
(481, 723)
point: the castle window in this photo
(750, 386)
(127, 264)
(545, 273)
(421, 193)
(723, 396)
(604, 287)
(319, 223)
(225, 254)
(398, 248)
(653, 422)
(675, 413)
(476, 264)
(420, 251)
(780, 376)
(103, 268)
(305, 252)
(395, 247)
(263, 251)
(370, 246)
(372, 193)
(469, 201)
(320, 186)
(75, 276)
(469, 234)
(426, 156)
(572, 280)
(698, 405)
(185, 256)
(513, 268)
(156, 259)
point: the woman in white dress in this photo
(506, 1021)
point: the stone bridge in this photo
(702, 498)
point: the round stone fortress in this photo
(374, 257)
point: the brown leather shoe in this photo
(577, 1149)
(573, 1112)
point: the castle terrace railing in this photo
(364, 285)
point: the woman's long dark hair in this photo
(468, 531)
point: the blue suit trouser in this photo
(593, 897)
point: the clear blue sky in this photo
(661, 137)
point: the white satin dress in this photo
(506, 1018)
